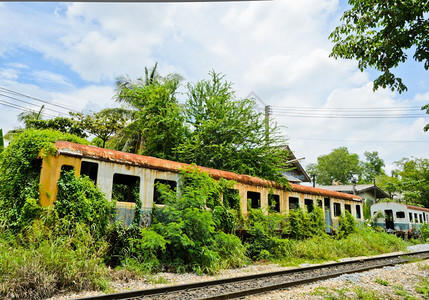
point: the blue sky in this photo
(69, 54)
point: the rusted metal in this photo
(417, 207)
(92, 152)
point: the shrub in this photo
(263, 239)
(144, 252)
(424, 231)
(20, 171)
(301, 224)
(80, 201)
(193, 232)
(347, 225)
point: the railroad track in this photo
(237, 287)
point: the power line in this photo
(354, 141)
(19, 107)
(70, 108)
(401, 108)
(400, 112)
(338, 116)
(27, 102)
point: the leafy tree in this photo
(227, 133)
(390, 184)
(62, 124)
(102, 124)
(410, 179)
(339, 165)
(414, 174)
(379, 33)
(373, 166)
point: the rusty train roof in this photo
(417, 208)
(79, 150)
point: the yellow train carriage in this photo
(132, 174)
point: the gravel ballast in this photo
(386, 283)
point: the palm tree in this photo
(30, 115)
(130, 139)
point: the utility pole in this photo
(267, 114)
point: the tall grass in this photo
(363, 242)
(48, 265)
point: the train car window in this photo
(348, 207)
(255, 199)
(309, 205)
(327, 203)
(89, 169)
(157, 199)
(36, 164)
(358, 215)
(416, 220)
(337, 209)
(420, 218)
(66, 168)
(293, 203)
(126, 188)
(231, 198)
(400, 214)
(411, 217)
(274, 202)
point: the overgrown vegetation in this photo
(69, 247)
(20, 171)
(46, 250)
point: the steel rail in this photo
(137, 294)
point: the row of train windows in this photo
(293, 204)
(418, 218)
(414, 217)
(126, 189)
(347, 207)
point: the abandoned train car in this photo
(403, 219)
(111, 170)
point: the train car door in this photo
(389, 219)
(328, 219)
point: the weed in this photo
(423, 287)
(363, 294)
(156, 279)
(401, 291)
(381, 281)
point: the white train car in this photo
(401, 218)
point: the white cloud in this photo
(52, 78)
(8, 74)
(277, 49)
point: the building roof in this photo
(295, 172)
(78, 150)
(360, 188)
